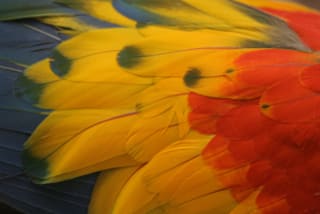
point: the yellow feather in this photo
(175, 181)
(68, 24)
(111, 181)
(40, 72)
(101, 9)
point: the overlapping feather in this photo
(186, 109)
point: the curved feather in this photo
(101, 9)
(168, 86)
(19, 119)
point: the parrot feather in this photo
(303, 20)
(113, 180)
(100, 9)
(21, 46)
(17, 9)
(186, 106)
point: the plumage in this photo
(184, 106)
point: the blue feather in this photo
(23, 43)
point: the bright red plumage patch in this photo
(206, 111)
(299, 105)
(278, 160)
(310, 78)
(264, 67)
(271, 144)
(255, 70)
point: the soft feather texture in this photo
(19, 119)
(186, 115)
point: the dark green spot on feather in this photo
(191, 77)
(230, 70)
(129, 56)
(35, 167)
(265, 106)
(255, 44)
(28, 89)
(60, 64)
